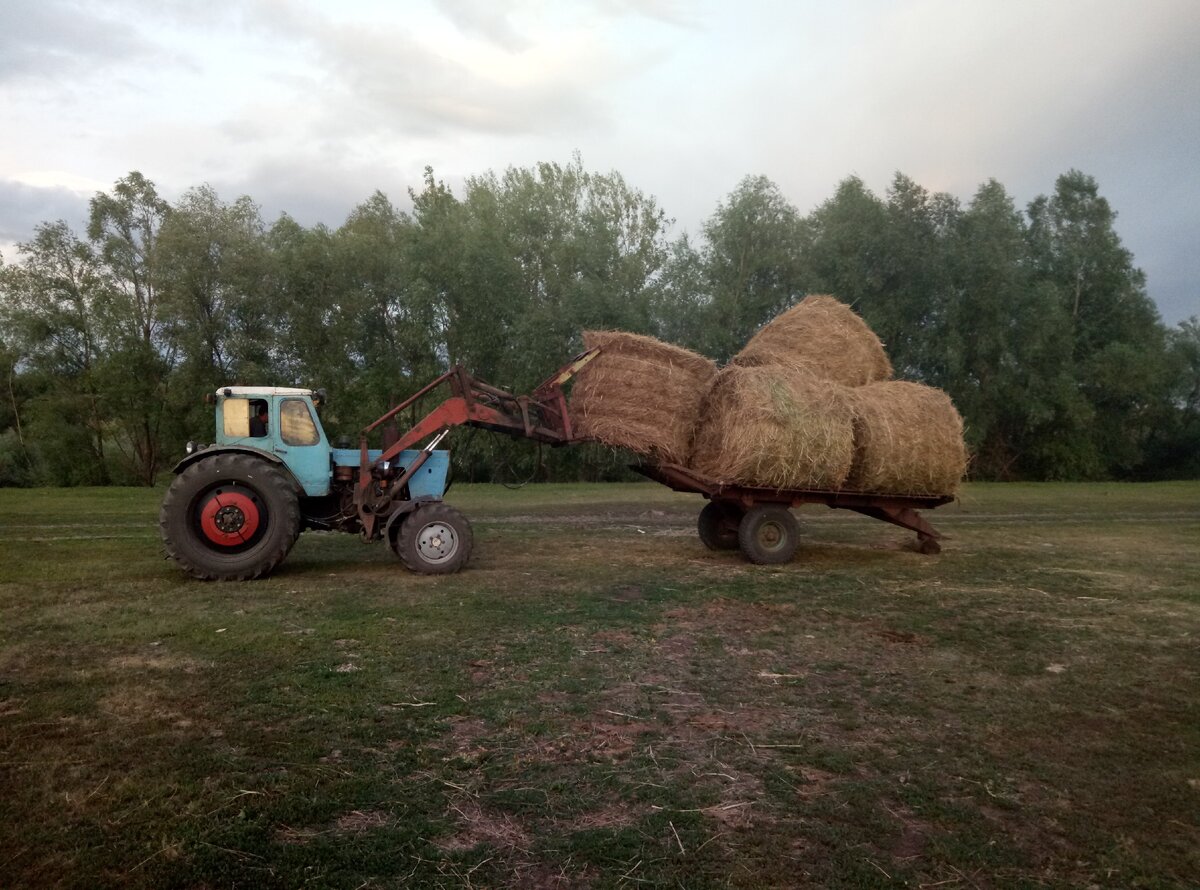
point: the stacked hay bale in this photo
(774, 427)
(640, 393)
(908, 439)
(819, 336)
(808, 404)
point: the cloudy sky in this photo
(308, 107)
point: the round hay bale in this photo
(821, 336)
(908, 440)
(774, 427)
(640, 393)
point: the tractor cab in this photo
(281, 422)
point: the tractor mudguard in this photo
(403, 510)
(212, 450)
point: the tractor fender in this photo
(397, 516)
(213, 450)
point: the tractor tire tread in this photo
(748, 535)
(406, 547)
(173, 515)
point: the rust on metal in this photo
(900, 510)
(542, 417)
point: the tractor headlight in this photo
(190, 448)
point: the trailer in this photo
(758, 521)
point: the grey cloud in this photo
(484, 18)
(50, 38)
(311, 191)
(23, 207)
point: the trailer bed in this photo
(723, 522)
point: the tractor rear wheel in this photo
(230, 517)
(768, 535)
(434, 540)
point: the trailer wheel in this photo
(434, 540)
(768, 535)
(718, 525)
(230, 517)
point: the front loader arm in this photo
(542, 417)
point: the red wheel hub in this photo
(229, 518)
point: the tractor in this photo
(236, 506)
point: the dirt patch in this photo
(608, 740)
(158, 661)
(614, 637)
(627, 593)
(478, 826)
(357, 821)
(11, 706)
(289, 835)
(900, 636)
(481, 670)
(914, 834)
(813, 782)
(617, 814)
(353, 822)
(465, 736)
(142, 704)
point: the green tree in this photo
(845, 246)
(521, 265)
(212, 261)
(753, 264)
(54, 303)
(1006, 368)
(911, 315)
(681, 299)
(124, 226)
(1116, 338)
(392, 331)
(312, 343)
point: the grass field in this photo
(599, 701)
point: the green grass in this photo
(600, 701)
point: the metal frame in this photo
(899, 510)
(542, 417)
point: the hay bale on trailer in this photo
(774, 427)
(640, 393)
(908, 440)
(821, 336)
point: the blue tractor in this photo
(236, 507)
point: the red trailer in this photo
(758, 520)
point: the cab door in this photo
(302, 445)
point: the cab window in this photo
(237, 418)
(296, 424)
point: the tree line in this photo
(1036, 321)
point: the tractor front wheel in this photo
(230, 517)
(434, 540)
